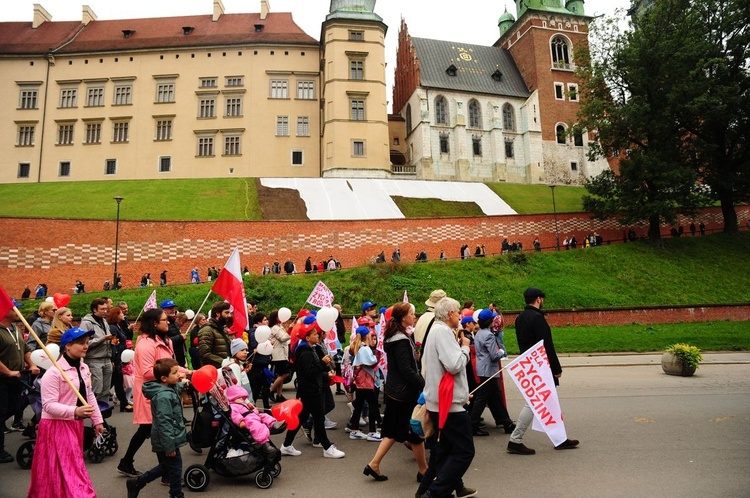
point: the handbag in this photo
(421, 423)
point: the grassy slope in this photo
(209, 199)
(534, 199)
(435, 208)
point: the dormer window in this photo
(259, 28)
(497, 75)
(127, 33)
(452, 70)
(186, 30)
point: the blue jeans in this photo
(452, 454)
(168, 466)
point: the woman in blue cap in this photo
(58, 469)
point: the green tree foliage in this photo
(670, 98)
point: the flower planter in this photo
(673, 366)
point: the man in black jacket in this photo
(532, 327)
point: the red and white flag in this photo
(532, 374)
(406, 297)
(321, 296)
(151, 303)
(229, 286)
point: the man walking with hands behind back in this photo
(532, 327)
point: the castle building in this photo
(500, 112)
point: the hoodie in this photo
(168, 429)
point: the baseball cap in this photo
(363, 331)
(533, 293)
(73, 334)
(467, 319)
(167, 303)
(366, 321)
(309, 319)
(487, 314)
(367, 305)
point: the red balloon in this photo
(204, 378)
(288, 412)
(61, 299)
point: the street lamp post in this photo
(117, 240)
(554, 210)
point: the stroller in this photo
(95, 448)
(233, 452)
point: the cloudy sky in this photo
(467, 21)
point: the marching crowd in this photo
(435, 377)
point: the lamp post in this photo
(554, 210)
(117, 239)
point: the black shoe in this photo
(133, 488)
(127, 469)
(479, 432)
(509, 428)
(280, 398)
(307, 431)
(340, 393)
(5, 457)
(269, 451)
(420, 476)
(465, 492)
(567, 444)
(6, 430)
(519, 449)
(29, 432)
(369, 472)
(17, 427)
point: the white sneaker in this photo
(330, 424)
(357, 435)
(362, 421)
(351, 407)
(374, 436)
(333, 452)
(290, 450)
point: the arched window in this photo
(408, 119)
(475, 115)
(560, 53)
(441, 111)
(509, 118)
(561, 134)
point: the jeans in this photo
(490, 395)
(168, 466)
(117, 383)
(101, 377)
(453, 453)
(311, 405)
(10, 401)
(524, 419)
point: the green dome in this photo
(506, 17)
(361, 10)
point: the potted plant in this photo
(681, 359)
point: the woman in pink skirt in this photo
(58, 469)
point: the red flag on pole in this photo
(229, 286)
(6, 303)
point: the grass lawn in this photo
(436, 208)
(535, 199)
(206, 199)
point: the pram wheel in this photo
(263, 480)
(276, 470)
(24, 454)
(197, 478)
(111, 447)
(95, 454)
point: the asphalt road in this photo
(642, 433)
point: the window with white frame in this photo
(95, 96)
(93, 133)
(282, 126)
(559, 91)
(205, 146)
(232, 145)
(235, 81)
(475, 115)
(110, 166)
(123, 94)
(303, 126)
(279, 89)
(120, 132)
(298, 157)
(28, 98)
(207, 108)
(233, 107)
(306, 90)
(509, 118)
(65, 134)
(357, 109)
(560, 53)
(356, 69)
(165, 164)
(208, 82)
(26, 135)
(63, 168)
(560, 133)
(577, 138)
(573, 166)
(163, 129)
(68, 97)
(358, 148)
(164, 93)
(441, 111)
(573, 92)
(24, 170)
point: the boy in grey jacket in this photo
(168, 429)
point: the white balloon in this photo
(262, 333)
(49, 300)
(284, 314)
(326, 317)
(189, 314)
(265, 348)
(127, 356)
(40, 358)
(476, 314)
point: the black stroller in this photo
(232, 451)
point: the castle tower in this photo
(354, 104)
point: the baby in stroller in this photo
(245, 416)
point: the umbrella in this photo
(445, 399)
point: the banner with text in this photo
(321, 296)
(532, 374)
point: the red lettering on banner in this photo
(544, 414)
(545, 394)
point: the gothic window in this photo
(441, 111)
(475, 115)
(509, 118)
(560, 53)
(408, 119)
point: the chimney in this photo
(88, 15)
(265, 8)
(218, 10)
(41, 16)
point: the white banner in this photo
(532, 374)
(321, 296)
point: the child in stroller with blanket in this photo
(245, 416)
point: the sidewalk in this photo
(631, 359)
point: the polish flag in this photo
(6, 303)
(229, 286)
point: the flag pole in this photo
(488, 379)
(192, 322)
(51, 357)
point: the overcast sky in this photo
(467, 21)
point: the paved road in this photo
(642, 433)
